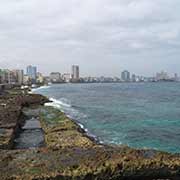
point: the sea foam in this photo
(61, 102)
(39, 88)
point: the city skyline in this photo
(103, 37)
(75, 69)
(33, 76)
(69, 71)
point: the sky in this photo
(103, 37)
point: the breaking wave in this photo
(59, 103)
(39, 88)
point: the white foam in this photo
(101, 142)
(41, 87)
(61, 102)
(65, 106)
(82, 126)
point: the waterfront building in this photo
(162, 76)
(125, 76)
(67, 77)
(133, 78)
(3, 76)
(11, 76)
(40, 78)
(176, 78)
(47, 80)
(75, 72)
(55, 77)
(26, 80)
(18, 76)
(32, 73)
(116, 79)
(0, 76)
(8, 77)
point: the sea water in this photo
(140, 115)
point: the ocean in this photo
(140, 115)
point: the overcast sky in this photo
(103, 36)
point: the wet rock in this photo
(30, 139)
(11, 106)
(32, 124)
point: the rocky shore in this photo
(68, 152)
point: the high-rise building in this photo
(75, 72)
(9, 77)
(176, 77)
(133, 78)
(32, 73)
(1, 73)
(125, 76)
(3, 76)
(18, 75)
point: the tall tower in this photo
(75, 72)
(32, 72)
(125, 76)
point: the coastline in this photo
(141, 120)
(81, 126)
(71, 154)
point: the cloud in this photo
(55, 34)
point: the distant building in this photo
(125, 76)
(47, 79)
(8, 77)
(32, 73)
(133, 78)
(116, 79)
(3, 77)
(67, 77)
(55, 77)
(162, 76)
(176, 78)
(40, 78)
(11, 76)
(26, 80)
(18, 76)
(75, 72)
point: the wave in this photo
(59, 103)
(90, 135)
(39, 88)
(82, 126)
(65, 106)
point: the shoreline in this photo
(85, 131)
(91, 136)
(71, 154)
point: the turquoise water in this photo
(141, 115)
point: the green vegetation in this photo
(60, 131)
(52, 116)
